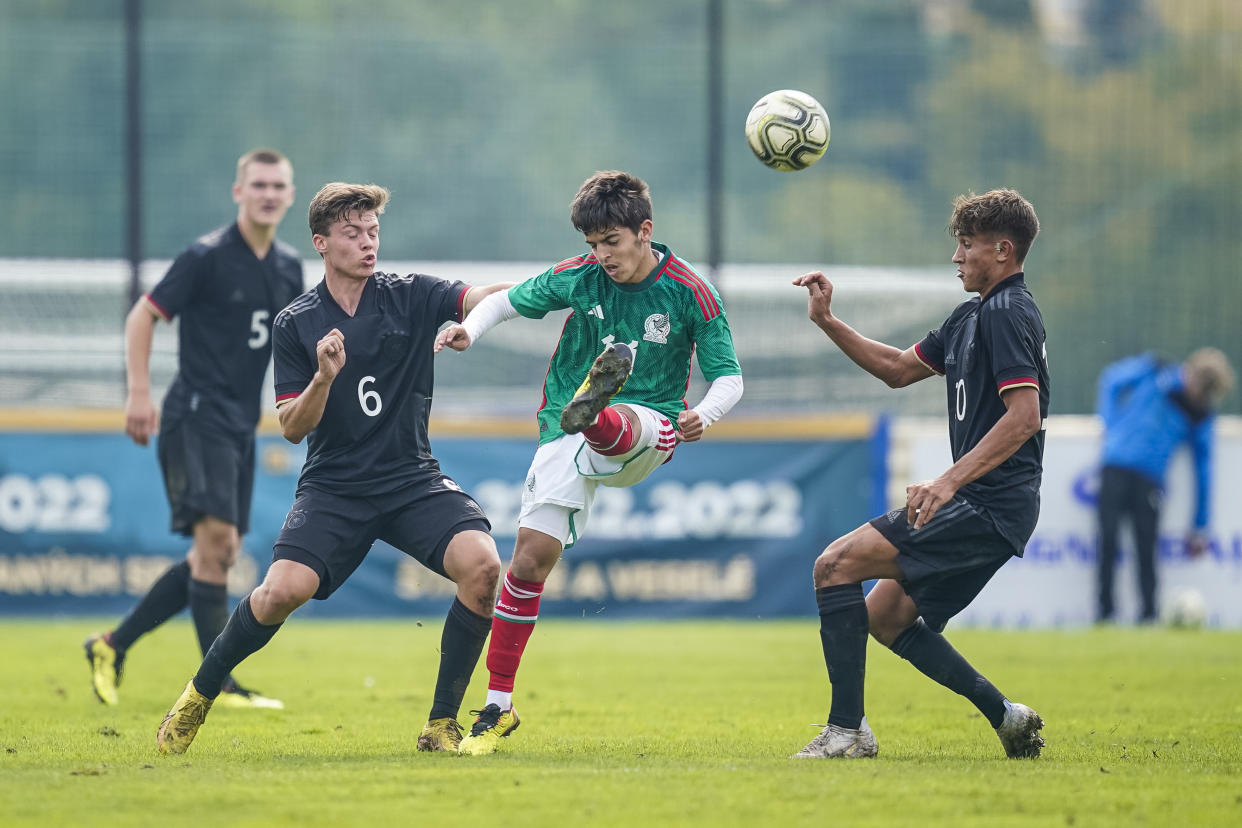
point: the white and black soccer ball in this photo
(1186, 609)
(788, 130)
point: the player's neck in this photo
(346, 290)
(259, 237)
(983, 294)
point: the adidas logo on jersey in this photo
(597, 312)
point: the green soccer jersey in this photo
(670, 316)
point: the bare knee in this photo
(215, 550)
(831, 566)
(282, 592)
(534, 555)
(472, 562)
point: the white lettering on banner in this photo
(687, 579)
(1054, 583)
(54, 503)
(673, 510)
(58, 572)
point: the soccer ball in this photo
(1187, 609)
(788, 130)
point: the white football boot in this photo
(841, 743)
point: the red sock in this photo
(610, 434)
(512, 625)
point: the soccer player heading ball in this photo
(934, 556)
(613, 410)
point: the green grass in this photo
(627, 724)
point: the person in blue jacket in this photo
(1149, 408)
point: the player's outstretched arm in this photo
(141, 418)
(1020, 422)
(897, 368)
(478, 293)
(299, 416)
(493, 309)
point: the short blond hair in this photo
(337, 200)
(1212, 369)
(262, 155)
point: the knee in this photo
(829, 566)
(216, 544)
(278, 598)
(473, 563)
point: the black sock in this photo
(461, 644)
(935, 658)
(166, 597)
(242, 635)
(843, 627)
(209, 607)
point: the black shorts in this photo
(332, 534)
(206, 474)
(947, 562)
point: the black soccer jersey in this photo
(372, 438)
(225, 299)
(983, 349)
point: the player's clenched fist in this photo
(454, 336)
(330, 352)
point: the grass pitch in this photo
(626, 724)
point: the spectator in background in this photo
(225, 289)
(1149, 408)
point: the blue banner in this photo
(728, 528)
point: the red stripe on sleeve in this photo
(158, 309)
(918, 352)
(706, 300)
(461, 304)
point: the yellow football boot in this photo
(105, 668)
(181, 724)
(487, 731)
(440, 734)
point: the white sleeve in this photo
(722, 394)
(493, 310)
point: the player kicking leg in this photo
(610, 445)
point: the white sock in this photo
(499, 698)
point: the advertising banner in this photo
(1054, 583)
(727, 528)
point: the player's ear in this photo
(237, 192)
(320, 244)
(644, 230)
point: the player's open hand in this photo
(690, 426)
(141, 418)
(923, 500)
(819, 300)
(330, 351)
(454, 336)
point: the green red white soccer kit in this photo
(672, 315)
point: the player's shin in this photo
(936, 658)
(242, 636)
(512, 625)
(843, 628)
(461, 644)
